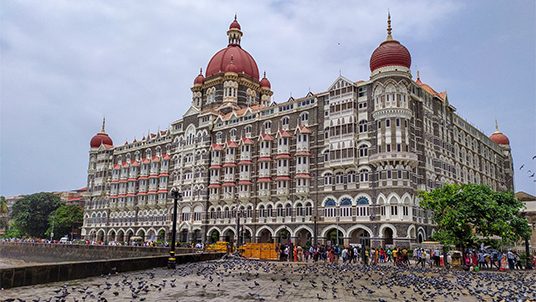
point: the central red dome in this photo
(243, 61)
(390, 53)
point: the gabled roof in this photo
(341, 79)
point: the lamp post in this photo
(172, 261)
(238, 243)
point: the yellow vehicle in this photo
(220, 247)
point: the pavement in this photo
(248, 280)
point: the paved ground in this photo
(242, 280)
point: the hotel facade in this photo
(342, 166)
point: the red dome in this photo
(499, 138)
(235, 24)
(99, 139)
(200, 79)
(390, 53)
(265, 83)
(242, 60)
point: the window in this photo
(330, 208)
(284, 122)
(328, 179)
(363, 151)
(304, 117)
(387, 123)
(362, 126)
(398, 122)
(267, 127)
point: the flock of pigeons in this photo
(247, 280)
(530, 173)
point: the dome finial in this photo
(389, 29)
(418, 76)
(496, 125)
(201, 70)
(264, 74)
(103, 124)
(235, 16)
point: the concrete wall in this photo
(44, 273)
(42, 252)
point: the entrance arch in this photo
(360, 236)
(183, 236)
(303, 237)
(229, 234)
(197, 236)
(161, 235)
(100, 236)
(246, 233)
(120, 237)
(213, 236)
(141, 233)
(283, 235)
(130, 233)
(388, 235)
(111, 235)
(335, 236)
(265, 235)
(151, 235)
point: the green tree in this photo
(4, 215)
(30, 213)
(466, 213)
(64, 219)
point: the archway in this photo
(92, 235)
(111, 236)
(303, 237)
(151, 235)
(214, 236)
(420, 238)
(100, 236)
(130, 233)
(229, 235)
(388, 236)
(265, 236)
(162, 235)
(283, 236)
(360, 236)
(183, 237)
(246, 235)
(197, 236)
(120, 237)
(141, 233)
(335, 237)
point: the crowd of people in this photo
(400, 256)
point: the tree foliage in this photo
(466, 213)
(64, 219)
(30, 213)
(4, 215)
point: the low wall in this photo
(45, 273)
(45, 252)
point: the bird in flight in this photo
(523, 165)
(534, 157)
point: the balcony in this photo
(265, 152)
(245, 156)
(302, 190)
(264, 173)
(404, 157)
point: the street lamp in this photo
(238, 214)
(172, 261)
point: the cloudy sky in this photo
(66, 64)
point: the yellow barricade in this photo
(264, 251)
(220, 246)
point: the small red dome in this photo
(390, 53)
(499, 138)
(200, 79)
(242, 60)
(99, 139)
(265, 83)
(235, 25)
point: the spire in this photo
(496, 125)
(201, 70)
(235, 16)
(389, 29)
(418, 76)
(103, 124)
(264, 75)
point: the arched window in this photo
(346, 207)
(330, 208)
(284, 122)
(340, 178)
(352, 177)
(363, 151)
(280, 212)
(362, 126)
(299, 209)
(247, 130)
(262, 213)
(288, 210)
(267, 127)
(233, 134)
(362, 207)
(328, 179)
(363, 175)
(304, 118)
(309, 209)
